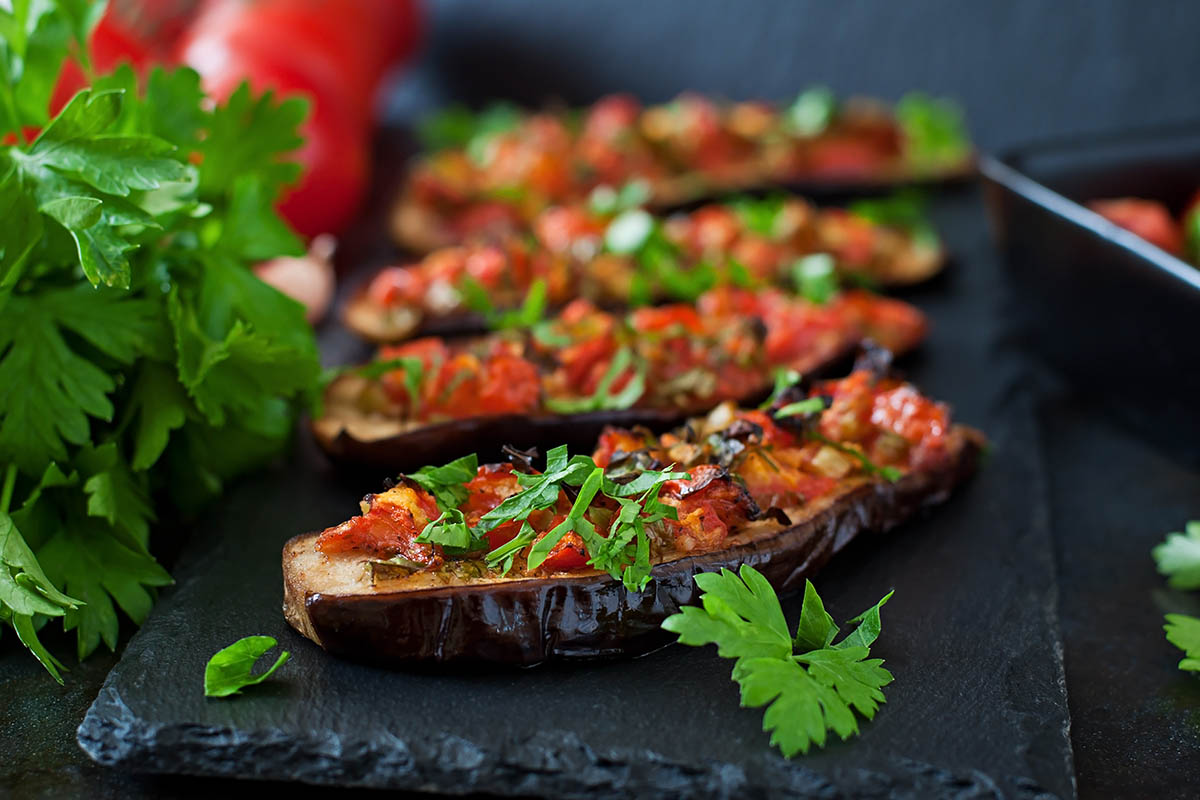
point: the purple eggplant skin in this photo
(590, 616)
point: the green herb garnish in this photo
(530, 312)
(606, 200)
(1184, 632)
(934, 132)
(601, 399)
(1179, 557)
(816, 278)
(811, 112)
(445, 483)
(140, 359)
(759, 214)
(784, 379)
(890, 474)
(809, 685)
(802, 408)
(229, 670)
(904, 210)
(458, 126)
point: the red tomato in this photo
(569, 553)
(113, 43)
(1146, 218)
(332, 51)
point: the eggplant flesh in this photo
(427, 618)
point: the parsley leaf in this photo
(905, 210)
(450, 530)
(230, 669)
(816, 278)
(446, 483)
(802, 408)
(811, 112)
(132, 334)
(1184, 632)
(601, 399)
(807, 693)
(531, 311)
(934, 132)
(1179, 557)
(784, 379)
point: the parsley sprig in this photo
(140, 360)
(1178, 557)
(809, 685)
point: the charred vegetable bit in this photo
(725, 347)
(640, 498)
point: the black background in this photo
(1023, 71)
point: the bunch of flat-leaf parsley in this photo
(810, 685)
(139, 358)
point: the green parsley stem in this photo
(10, 480)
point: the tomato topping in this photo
(648, 320)
(1146, 218)
(388, 528)
(707, 505)
(559, 228)
(510, 384)
(397, 286)
(569, 553)
(891, 323)
(914, 417)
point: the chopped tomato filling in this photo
(388, 528)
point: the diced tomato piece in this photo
(894, 324)
(1146, 218)
(510, 384)
(487, 265)
(397, 286)
(660, 318)
(388, 528)
(569, 553)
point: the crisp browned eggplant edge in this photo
(570, 617)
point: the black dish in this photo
(1115, 314)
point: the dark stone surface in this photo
(978, 708)
(1135, 717)
(1025, 70)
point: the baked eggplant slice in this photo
(500, 170)
(587, 558)
(587, 368)
(614, 256)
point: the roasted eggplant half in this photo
(585, 558)
(568, 377)
(621, 257)
(503, 168)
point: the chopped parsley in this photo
(812, 111)
(816, 278)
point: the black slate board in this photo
(1135, 716)
(978, 708)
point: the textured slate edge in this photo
(550, 763)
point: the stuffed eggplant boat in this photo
(620, 256)
(497, 170)
(504, 563)
(564, 379)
